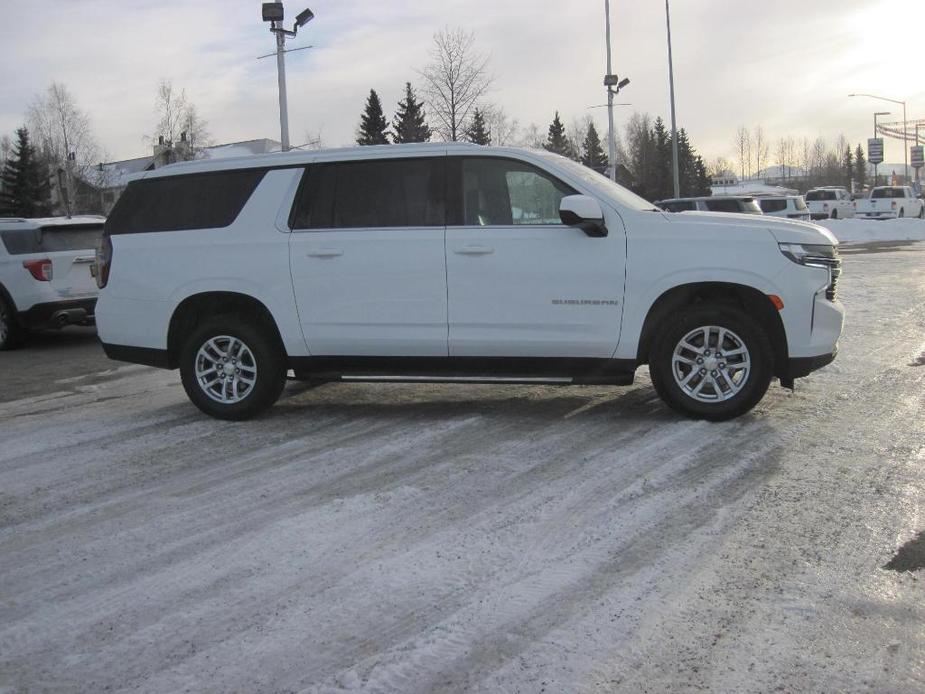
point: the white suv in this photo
(459, 263)
(45, 274)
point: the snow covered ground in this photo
(445, 538)
(871, 230)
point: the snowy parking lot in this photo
(488, 538)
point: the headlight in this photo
(811, 255)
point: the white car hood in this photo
(784, 230)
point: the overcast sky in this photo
(787, 65)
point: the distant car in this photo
(890, 202)
(45, 274)
(786, 206)
(829, 202)
(718, 203)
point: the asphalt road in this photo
(445, 538)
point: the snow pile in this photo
(872, 230)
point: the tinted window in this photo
(773, 205)
(52, 239)
(723, 205)
(178, 203)
(371, 194)
(888, 193)
(816, 195)
(502, 192)
(678, 205)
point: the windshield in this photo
(602, 184)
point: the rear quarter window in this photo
(773, 205)
(210, 200)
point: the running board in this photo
(523, 380)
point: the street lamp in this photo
(905, 131)
(611, 80)
(674, 123)
(273, 13)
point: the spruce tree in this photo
(373, 125)
(556, 140)
(23, 187)
(477, 132)
(410, 122)
(848, 165)
(860, 167)
(661, 183)
(592, 152)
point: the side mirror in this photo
(584, 213)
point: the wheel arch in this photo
(748, 299)
(195, 307)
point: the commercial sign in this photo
(875, 150)
(918, 157)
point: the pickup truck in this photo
(890, 202)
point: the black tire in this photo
(756, 380)
(268, 361)
(11, 333)
(902, 212)
(834, 214)
(922, 211)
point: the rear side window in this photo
(723, 205)
(84, 237)
(773, 205)
(372, 194)
(179, 203)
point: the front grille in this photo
(834, 265)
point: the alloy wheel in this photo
(711, 364)
(226, 369)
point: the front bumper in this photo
(799, 367)
(57, 314)
(877, 215)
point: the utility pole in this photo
(281, 74)
(674, 122)
(611, 134)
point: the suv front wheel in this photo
(231, 369)
(711, 362)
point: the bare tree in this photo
(761, 148)
(720, 167)
(179, 122)
(6, 148)
(60, 128)
(531, 137)
(743, 146)
(455, 81)
(503, 130)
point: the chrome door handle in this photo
(325, 253)
(85, 260)
(474, 250)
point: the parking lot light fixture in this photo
(905, 126)
(274, 13)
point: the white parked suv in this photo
(458, 263)
(786, 206)
(830, 202)
(45, 274)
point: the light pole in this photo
(274, 14)
(876, 114)
(674, 123)
(610, 81)
(905, 130)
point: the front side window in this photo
(503, 192)
(371, 194)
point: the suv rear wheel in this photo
(231, 369)
(711, 362)
(10, 332)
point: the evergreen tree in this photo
(592, 152)
(373, 125)
(661, 180)
(557, 140)
(477, 132)
(23, 187)
(848, 165)
(410, 123)
(860, 167)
